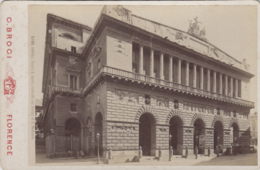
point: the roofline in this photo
(188, 34)
(49, 16)
(248, 74)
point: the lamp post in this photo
(196, 145)
(98, 159)
(170, 139)
(218, 139)
(170, 148)
(53, 145)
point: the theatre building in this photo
(137, 83)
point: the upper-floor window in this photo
(176, 104)
(73, 49)
(73, 81)
(98, 64)
(234, 113)
(218, 111)
(73, 107)
(73, 77)
(147, 99)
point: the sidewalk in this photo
(213, 160)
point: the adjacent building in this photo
(137, 83)
(253, 128)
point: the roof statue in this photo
(246, 65)
(194, 29)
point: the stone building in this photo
(137, 83)
(253, 128)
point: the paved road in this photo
(239, 160)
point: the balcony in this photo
(64, 90)
(147, 80)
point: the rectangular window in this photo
(73, 107)
(73, 49)
(73, 81)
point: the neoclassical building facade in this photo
(137, 83)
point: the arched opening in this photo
(199, 136)
(98, 129)
(218, 136)
(234, 133)
(176, 131)
(147, 134)
(73, 130)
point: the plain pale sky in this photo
(232, 29)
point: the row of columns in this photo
(179, 65)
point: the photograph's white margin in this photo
(20, 109)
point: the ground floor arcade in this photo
(146, 135)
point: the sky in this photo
(232, 29)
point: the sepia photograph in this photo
(143, 85)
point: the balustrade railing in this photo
(156, 81)
(65, 89)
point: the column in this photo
(201, 77)
(152, 63)
(161, 66)
(236, 85)
(187, 73)
(214, 82)
(226, 85)
(194, 75)
(220, 83)
(179, 71)
(231, 86)
(208, 80)
(141, 60)
(170, 69)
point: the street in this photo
(239, 160)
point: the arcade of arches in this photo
(148, 141)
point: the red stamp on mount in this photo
(9, 86)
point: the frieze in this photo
(194, 107)
(162, 130)
(227, 133)
(209, 132)
(127, 97)
(126, 128)
(162, 102)
(188, 131)
(180, 36)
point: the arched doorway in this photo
(147, 134)
(218, 136)
(176, 131)
(98, 129)
(234, 133)
(73, 131)
(199, 136)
